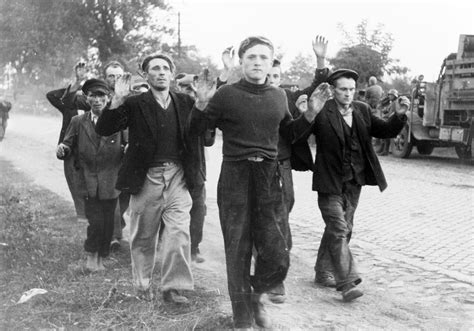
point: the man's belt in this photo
(255, 159)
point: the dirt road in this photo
(398, 293)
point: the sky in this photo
(424, 32)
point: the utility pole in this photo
(179, 34)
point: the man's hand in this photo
(228, 56)
(302, 103)
(122, 90)
(402, 105)
(205, 89)
(61, 151)
(317, 100)
(320, 46)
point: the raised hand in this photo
(205, 89)
(402, 105)
(302, 103)
(122, 86)
(320, 46)
(228, 57)
(317, 100)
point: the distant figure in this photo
(99, 160)
(70, 102)
(373, 95)
(387, 112)
(186, 84)
(5, 107)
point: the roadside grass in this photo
(41, 247)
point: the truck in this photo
(441, 113)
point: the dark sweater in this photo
(250, 117)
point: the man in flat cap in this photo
(99, 160)
(345, 161)
(156, 172)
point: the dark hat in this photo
(96, 85)
(348, 73)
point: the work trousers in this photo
(100, 215)
(252, 213)
(334, 255)
(72, 179)
(198, 213)
(163, 198)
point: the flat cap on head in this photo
(96, 85)
(348, 73)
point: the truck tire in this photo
(464, 152)
(401, 148)
(424, 148)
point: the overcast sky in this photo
(425, 32)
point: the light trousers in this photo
(163, 198)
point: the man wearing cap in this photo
(99, 161)
(156, 173)
(346, 161)
(186, 84)
(70, 101)
(251, 115)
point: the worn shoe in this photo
(115, 245)
(197, 258)
(325, 279)
(277, 294)
(259, 313)
(145, 295)
(172, 296)
(351, 294)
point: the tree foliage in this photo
(367, 52)
(301, 70)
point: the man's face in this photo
(159, 74)
(112, 74)
(98, 101)
(391, 97)
(274, 76)
(344, 91)
(256, 63)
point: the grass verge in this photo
(41, 247)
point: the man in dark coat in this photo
(99, 161)
(70, 102)
(157, 171)
(345, 161)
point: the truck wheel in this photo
(464, 152)
(401, 148)
(424, 148)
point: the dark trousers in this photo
(120, 209)
(334, 255)
(252, 213)
(198, 213)
(100, 214)
(288, 196)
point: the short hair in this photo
(147, 60)
(113, 64)
(276, 63)
(372, 80)
(252, 41)
(80, 64)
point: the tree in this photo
(301, 71)
(367, 52)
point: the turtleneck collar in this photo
(254, 88)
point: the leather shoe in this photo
(259, 313)
(172, 296)
(325, 279)
(197, 258)
(277, 294)
(351, 294)
(145, 295)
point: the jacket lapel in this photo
(180, 108)
(149, 107)
(334, 120)
(89, 129)
(359, 121)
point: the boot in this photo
(260, 314)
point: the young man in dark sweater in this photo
(251, 115)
